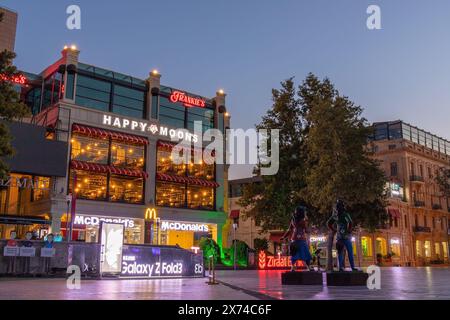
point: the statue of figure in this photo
(298, 246)
(341, 223)
(49, 242)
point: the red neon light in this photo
(266, 262)
(18, 79)
(179, 96)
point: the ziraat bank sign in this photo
(146, 127)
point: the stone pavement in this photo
(396, 283)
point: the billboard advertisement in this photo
(160, 262)
(111, 247)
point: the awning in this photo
(394, 213)
(169, 146)
(102, 133)
(189, 180)
(234, 214)
(101, 168)
(23, 220)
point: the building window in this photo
(127, 155)
(89, 185)
(437, 250)
(128, 102)
(366, 246)
(380, 246)
(93, 93)
(406, 221)
(427, 247)
(394, 168)
(53, 88)
(170, 194)
(126, 189)
(42, 189)
(89, 149)
(186, 179)
(203, 115)
(200, 197)
(419, 249)
(395, 247)
(171, 114)
(445, 249)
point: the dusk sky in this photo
(248, 47)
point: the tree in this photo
(338, 163)
(271, 202)
(443, 181)
(10, 106)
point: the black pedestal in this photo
(347, 278)
(302, 278)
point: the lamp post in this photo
(235, 225)
(69, 201)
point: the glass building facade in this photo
(400, 130)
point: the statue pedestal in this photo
(302, 278)
(347, 278)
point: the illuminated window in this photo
(41, 189)
(126, 155)
(380, 245)
(126, 189)
(89, 185)
(366, 246)
(165, 164)
(445, 249)
(437, 250)
(395, 247)
(89, 149)
(201, 170)
(170, 194)
(418, 248)
(427, 247)
(200, 197)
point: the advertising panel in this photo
(111, 247)
(160, 262)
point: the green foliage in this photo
(10, 107)
(260, 244)
(271, 202)
(338, 163)
(443, 180)
(324, 156)
(241, 254)
(209, 248)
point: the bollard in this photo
(211, 272)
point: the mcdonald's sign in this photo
(150, 214)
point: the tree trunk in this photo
(331, 235)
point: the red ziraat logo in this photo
(178, 96)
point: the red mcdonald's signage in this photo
(179, 96)
(17, 79)
(266, 262)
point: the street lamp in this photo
(235, 225)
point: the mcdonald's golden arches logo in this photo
(150, 214)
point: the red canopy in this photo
(94, 167)
(169, 146)
(102, 133)
(189, 180)
(234, 214)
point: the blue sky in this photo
(248, 47)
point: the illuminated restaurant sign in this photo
(181, 226)
(266, 262)
(95, 221)
(17, 79)
(142, 126)
(188, 101)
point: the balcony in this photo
(437, 207)
(416, 178)
(419, 204)
(422, 229)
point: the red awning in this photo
(102, 133)
(94, 167)
(192, 181)
(395, 213)
(169, 146)
(234, 214)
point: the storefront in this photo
(185, 234)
